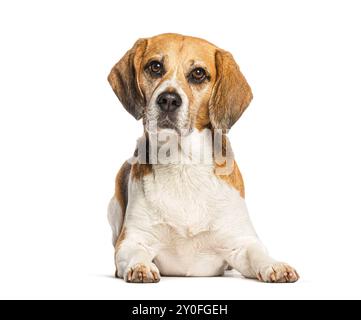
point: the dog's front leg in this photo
(252, 260)
(134, 258)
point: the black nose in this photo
(169, 101)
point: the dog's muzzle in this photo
(169, 102)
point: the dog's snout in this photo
(169, 101)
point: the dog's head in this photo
(180, 83)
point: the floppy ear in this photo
(123, 78)
(231, 93)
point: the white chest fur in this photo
(185, 216)
(189, 205)
(183, 197)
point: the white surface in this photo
(63, 136)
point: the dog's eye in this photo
(198, 75)
(156, 68)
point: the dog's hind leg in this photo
(118, 204)
(115, 218)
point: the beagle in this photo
(178, 207)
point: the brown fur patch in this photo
(140, 170)
(121, 186)
(234, 179)
(202, 120)
(231, 94)
(124, 76)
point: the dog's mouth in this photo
(166, 122)
(156, 122)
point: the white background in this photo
(63, 136)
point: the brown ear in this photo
(123, 78)
(231, 93)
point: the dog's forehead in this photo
(181, 49)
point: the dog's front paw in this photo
(142, 273)
(277, 272)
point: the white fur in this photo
(188, 222)
(115, 218)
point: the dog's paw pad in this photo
(142, 273)
(278, 272)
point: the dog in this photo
(176, 216)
